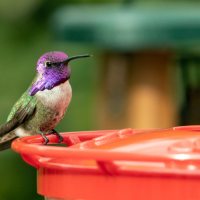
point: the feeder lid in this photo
(123, 159)
(156, 146)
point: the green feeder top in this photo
(128, 27)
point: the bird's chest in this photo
(57, 98)
(52, 104)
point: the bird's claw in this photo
(60, 137)
(45, 138)
(46, 141)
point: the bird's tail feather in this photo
(6, 140)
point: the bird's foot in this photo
(60, 137)
(44, 136)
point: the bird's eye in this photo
(48, 64)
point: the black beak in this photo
(75, 57)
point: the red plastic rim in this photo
(32, 146)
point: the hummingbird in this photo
(44, 103)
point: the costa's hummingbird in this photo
(44, 103)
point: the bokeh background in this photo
(150, 82)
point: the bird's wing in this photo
(22, 111)
(6, 140)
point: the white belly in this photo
(57, 98)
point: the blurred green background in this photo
(25, 35)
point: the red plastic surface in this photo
(118, 164)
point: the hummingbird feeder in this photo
(117, 164)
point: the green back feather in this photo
(23, 101)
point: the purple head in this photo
(53, 69)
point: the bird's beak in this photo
(75, 57)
